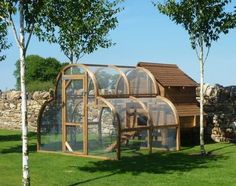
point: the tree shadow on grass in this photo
(16, 137)
(156, 163)
(221, 148)
(18, 149)
(15, 140)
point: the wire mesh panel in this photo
(107, 79)
(165, 138)
(102, 131)
(74, 101)
(134, 123)
(160, 111)
(140, 82)
(130, 112)
(74, 138)
(133, 141)
(74, 70)
(50, 127)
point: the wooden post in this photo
(100, 126)
(85, 114)
(150, 138)
(178, 138)
(118, 137)
(63, 116)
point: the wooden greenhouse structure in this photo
(103, 110)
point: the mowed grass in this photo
(185, 167)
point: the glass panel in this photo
(59, 88)
(74, 101)
(91, 91)
(102, 133)
(160, 111)
(50, 126)
(108, 79)
(74, 70)
(131, 113)
(140, 82)
(164, 138)
(75, 137)
(134, 141)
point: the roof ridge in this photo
(157, 64)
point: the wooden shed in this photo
(179, 88)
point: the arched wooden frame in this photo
(122, 74)
(40, 114)
(125, 79)
(156, 89)
(115, 115)
(150, 75)
(119, 71)
(176, 119)
(150, 124)
(90, 73)
(144, 108)
(172, 107)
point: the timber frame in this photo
(98, 110)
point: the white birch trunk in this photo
(202, 148)
(24, 122)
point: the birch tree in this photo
(204, 20)
(25, 13)
(79, 27)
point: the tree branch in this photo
(197, 53)
(208, 50)
(67, 56)
(79, 57)
(28, 40)
(14, 31)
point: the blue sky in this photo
(143, 34)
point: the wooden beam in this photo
(85, 114)
(63, 116)
(68, 146)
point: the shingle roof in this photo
(187, 109)
(169, 74)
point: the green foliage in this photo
(3, 30)
(9, 8)
(40, 72)
(204, 20)
(79, 27)
(40, 86)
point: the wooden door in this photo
(74, 114)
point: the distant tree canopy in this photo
(40, 72)
(79, 27)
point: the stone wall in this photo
(220, 107)
(10, 109)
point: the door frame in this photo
(84, 124)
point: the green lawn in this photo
(139, 168)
